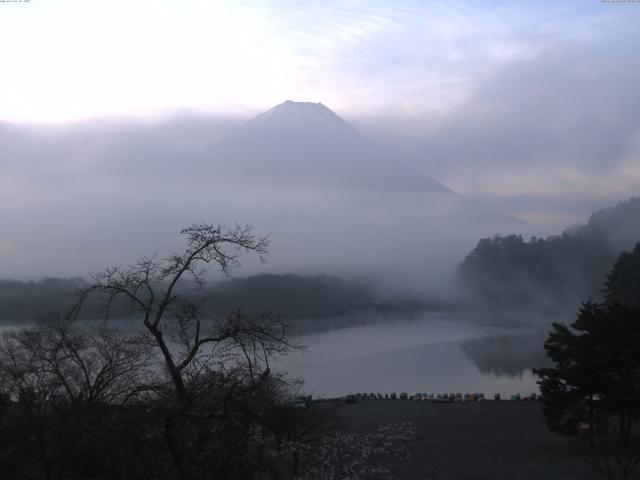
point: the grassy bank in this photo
(469, 440)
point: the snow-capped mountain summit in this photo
(292, 114)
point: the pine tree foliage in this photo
(596, 373)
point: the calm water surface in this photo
(435, 353)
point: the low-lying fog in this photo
(332, 200)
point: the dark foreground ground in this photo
(485, 440)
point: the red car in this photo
(583, 428)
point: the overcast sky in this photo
(530, 108)
(76, 59)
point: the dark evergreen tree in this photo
(596, 372)
(571, 389)
(623, 283)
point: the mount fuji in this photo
(308, 144)
(333, 200)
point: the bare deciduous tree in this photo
(182, 395)
(58, 376)
(218, 368)
(189, 343)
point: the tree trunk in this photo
(591, 421)
(173, 450)
(623, 434)
(296, 464)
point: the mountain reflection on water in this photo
(436, 353)
(509, 355)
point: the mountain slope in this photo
(304, 142)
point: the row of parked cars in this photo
(431, 397)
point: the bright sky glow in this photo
(75, 59)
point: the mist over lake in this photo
(430, 352)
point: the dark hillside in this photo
(555, 272)
(294, 296)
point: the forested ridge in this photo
(554, 272)
(296, 296)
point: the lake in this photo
(435, 353)
(431, 352)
